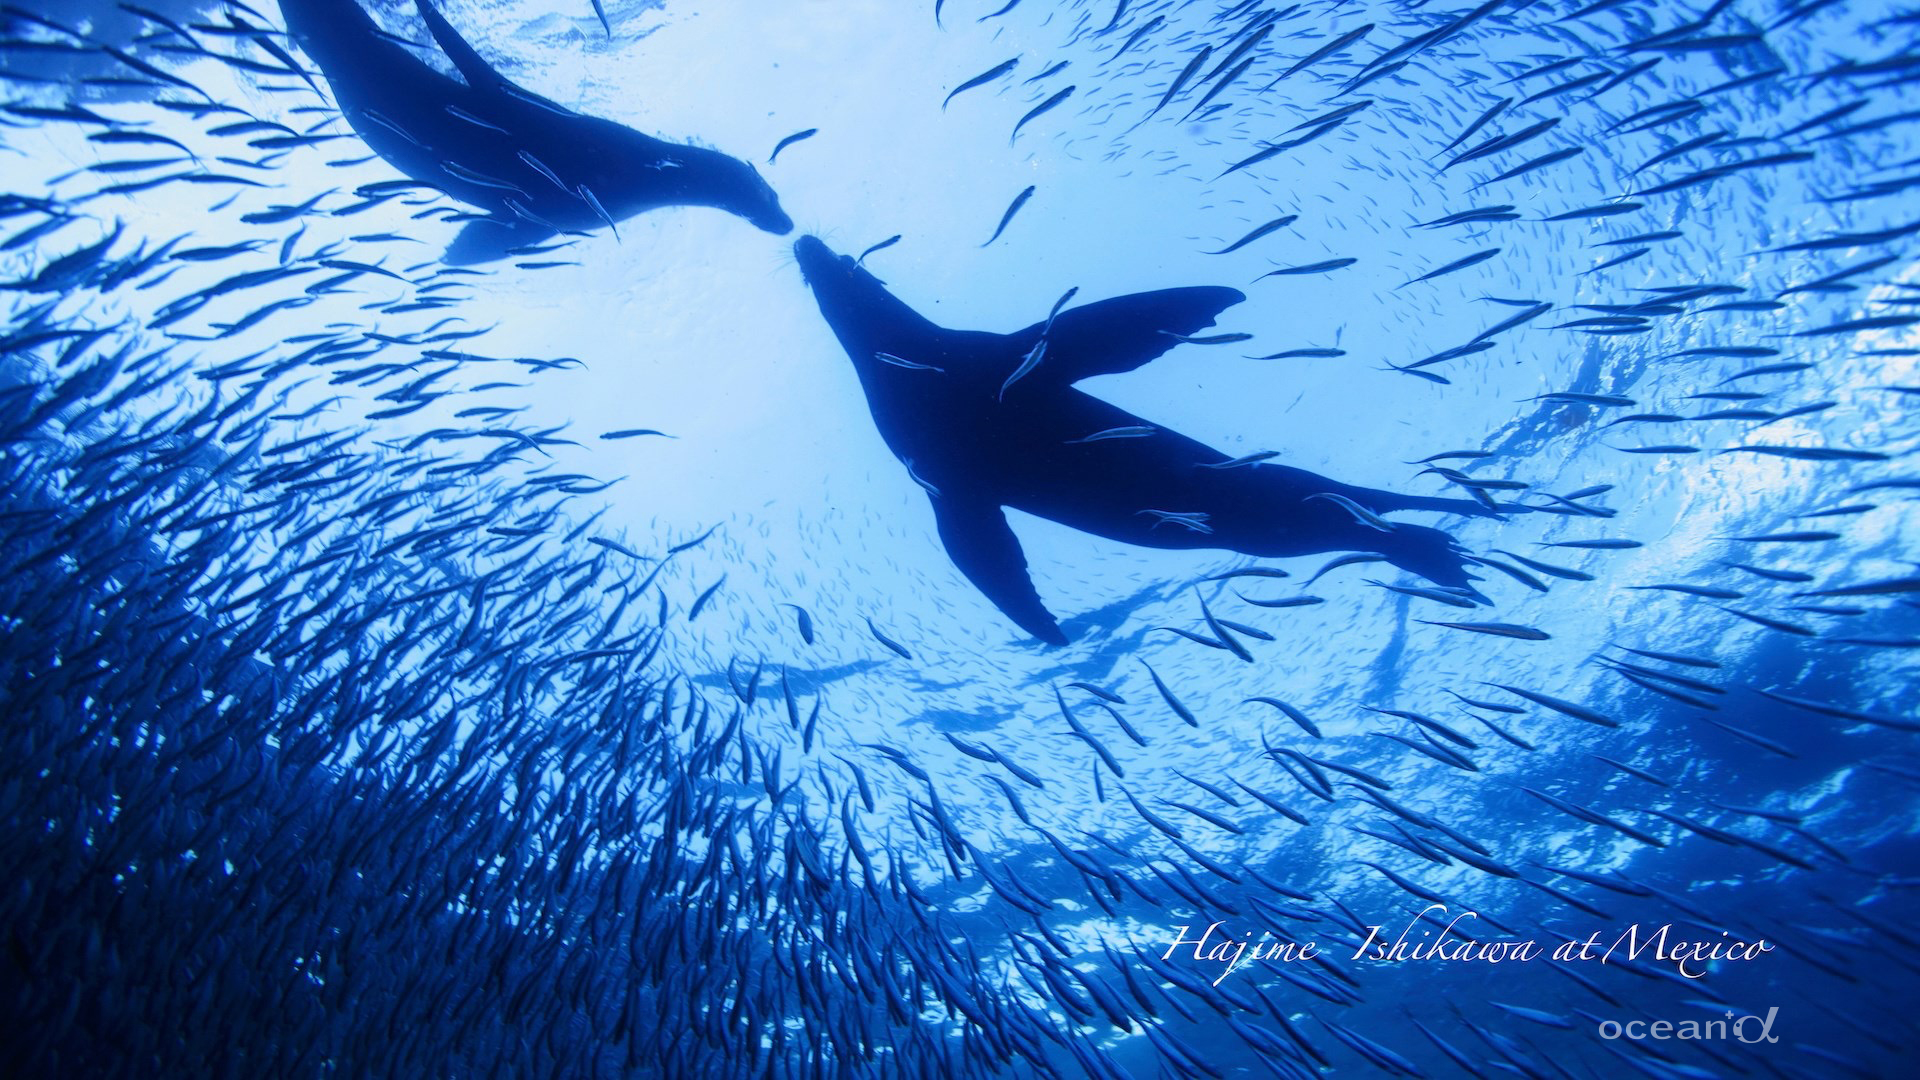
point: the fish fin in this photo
(479, 74)
(488, 239)
(983, 547)
(1123, 333)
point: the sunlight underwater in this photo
(526, 656)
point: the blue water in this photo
(359, 755)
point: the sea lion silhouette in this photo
(537, 167)
(984, 421)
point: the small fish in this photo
(634, 433)
(982, 79)
(1220, 86)
(1589, 492)
(1885, 587)
(1269, 227)
(1104, 695)
(1027, 364)
(1245, 459)
(1474, 127)
(881, 246)
(1009, 6)
(1303, 354)
(1570, 397)
(1054, 313)
(700, 603)
(1809, 453)
(1356, 559)
(1734, 352)
(1166, 694)
(1250, 571)
(1458, 264)
(914, 475)
(1602, 210)
(1193, 521)
(1561, 705)
(805, 620)
(1310, 268)
(1526, 316)
(1793, 576)
(1597, 545)
(1533, 164)
(1050, 72)
(789, 141)
(901, 362)
(1498, 629)
(1806, 537)
(1132, 431)
(1284, 602)
(1454, 353)
(1772, 624)
(1680, 149)
(1449, 597)
(1452, 455)
(1538, 1016)
(610, 545)
(1414, 369)
(1211, 339)
(1226, 639)
(1502, 142)
(1491, 706)
(361, 268)
(1657, 448)
(1019, 201)
(1664, 234)
(883, 639)
(1044, 106)
(1360, 513)
(543, 169)
(1180, 81)
(1150, 27)
(1339, 44)
(1274, 149)
(1551, 571)
(1707, 591)
(693, 543)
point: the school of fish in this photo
(341, 737)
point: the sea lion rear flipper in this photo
(1433, 555)
(1121, 334)
(486, 239)
(983, 547)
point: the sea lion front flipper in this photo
(1121, 334)
(479, 74)
(983, 547)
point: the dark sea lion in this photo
(537, 167)
(984, 421)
